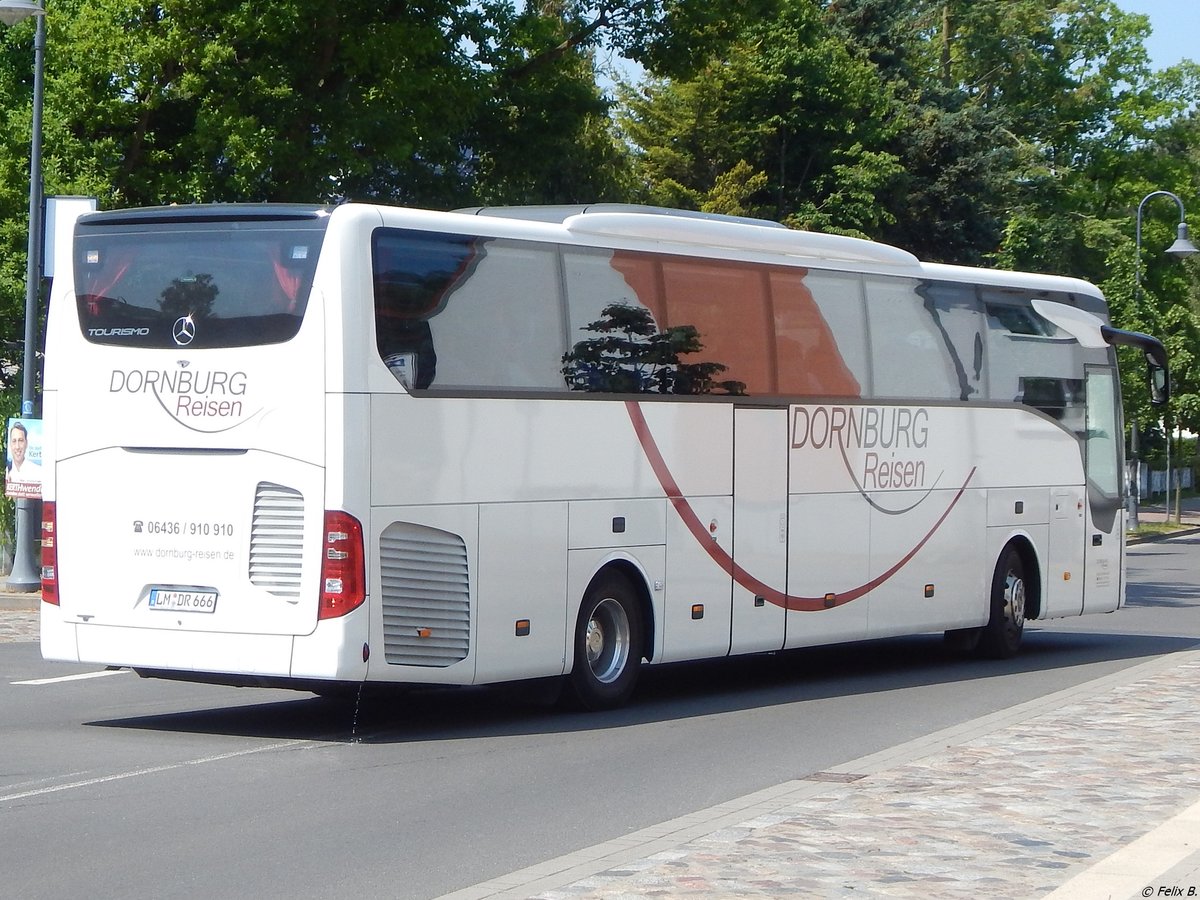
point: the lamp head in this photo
(1182, 247)
(14, 11)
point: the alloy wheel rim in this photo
(1014, 600)
(607, 640)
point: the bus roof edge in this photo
(739, 236)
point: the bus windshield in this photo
(198, 284)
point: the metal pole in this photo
(1182, 247)
(26, 572)
(1135, 489)
(1179, 480)
(1135, 500)
(1167, 428)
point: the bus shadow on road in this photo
(671, 692)
(1173, 594)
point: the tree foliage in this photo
(790, 109)
(1021, 134)
(436, 103)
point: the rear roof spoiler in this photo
(209, 212)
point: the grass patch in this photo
(1151, 529)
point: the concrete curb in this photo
(1131, 539)
(10, 600)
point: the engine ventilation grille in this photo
(277, 539)
(426, 596)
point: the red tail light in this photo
(343, 570)
(49, 553)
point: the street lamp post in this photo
(1182, 248)
(26, 572)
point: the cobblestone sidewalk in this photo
(18, 625)
(1013, 811)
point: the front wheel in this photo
(1001, 636)
(608, 644)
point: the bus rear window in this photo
(196, 284)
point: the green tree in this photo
(542, 132)
(788, 114)
(435, 103)
(1022, 133)
(1033, 130)
(956, 157)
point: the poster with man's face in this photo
(23, 459)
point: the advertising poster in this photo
(23, 459)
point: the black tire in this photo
(1001, 637)
(963, 640)
(608, 644)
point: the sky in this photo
(1175, 35)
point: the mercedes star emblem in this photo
(184, 331)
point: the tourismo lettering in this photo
(118, 332)
(860, 427)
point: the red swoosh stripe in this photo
(725, 561)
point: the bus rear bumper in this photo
(57, 636)
(333, 652)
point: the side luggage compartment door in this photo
(760, 527)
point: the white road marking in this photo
(82, 677)
(1132, 870)
(150, 770)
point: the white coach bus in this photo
(306, 447)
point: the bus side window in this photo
(658, 324)
(413, 274)
(727, 305)
(820, 332)
(916, 349)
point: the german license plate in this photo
(183, 601)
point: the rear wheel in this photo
(608, 644)
(963, 640)
(1001, 637)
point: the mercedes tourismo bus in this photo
(308, 447)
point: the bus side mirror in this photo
(1156, 359)
(1159, 379)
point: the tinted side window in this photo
(459, 311)
(913, 351)
(684, 325)
(643, 323)
(957, 317)
(1032, 361)
(820, 333)
(614, 338)
(1029, 361)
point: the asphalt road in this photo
(117, 786)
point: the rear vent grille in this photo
(277, 539)
(426, 596)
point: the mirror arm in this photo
(1156, 358)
